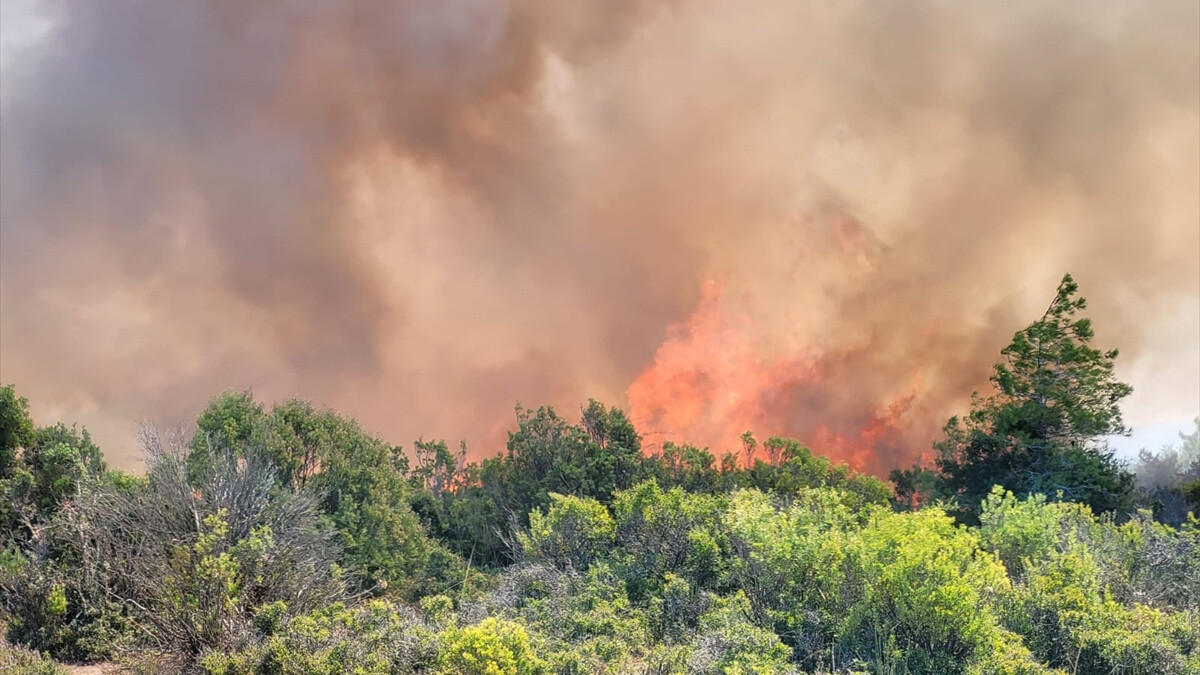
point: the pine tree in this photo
(1043, 431)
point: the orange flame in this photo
(860, 450)
(709, 384)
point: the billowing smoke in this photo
(820, 219)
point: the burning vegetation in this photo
(782, 246)
(389, 206)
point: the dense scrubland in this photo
(286, 539)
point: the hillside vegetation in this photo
(285, 539)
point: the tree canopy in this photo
(1044, 428)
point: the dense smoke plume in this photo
(820, 219)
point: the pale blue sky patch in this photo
(1151, 437)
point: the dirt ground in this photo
(95, 669)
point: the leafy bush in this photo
(797, 565)
(376, 639)
(670, 531)
(928, 594)
(263, 545)
(729, 644)
(17, 661)
(492, 647)
(48, 610)
(581, 623)
(1019, 531)
(1068, 621)
(357, 481)
(192, 566)
(575, 531)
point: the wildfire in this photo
(710, 382)
(860, 449)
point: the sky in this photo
(821, 220)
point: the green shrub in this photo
(1137, 640)
(378, 638)
(929, 594)
(578, 623)
(437, 609)
(1007, 655)
(193, 567)
(269, 618)
(670, 531)
(1069, 619)
(797, 565)
(48, 609)
(1019, 531)
(17, 661)
(729, 644)
(676, 611)
(575, 531)
(492, 647)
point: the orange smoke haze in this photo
(821, 220)
(709, 384)
(715, 377)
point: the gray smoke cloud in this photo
(821, 219)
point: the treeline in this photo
(286, 539)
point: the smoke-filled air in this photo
(812, 219)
